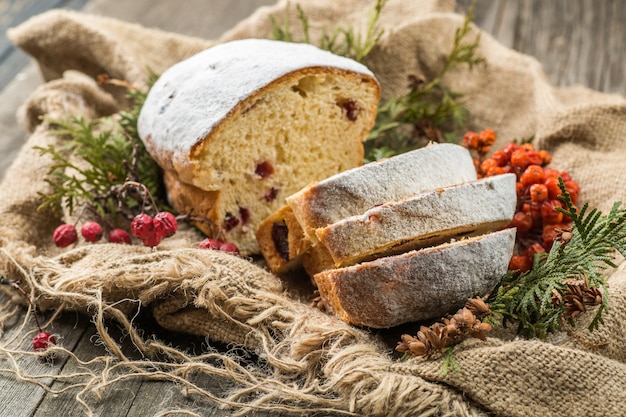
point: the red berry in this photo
(519, 159)
(545, 157)
(566, 177)
(142, 226)
(492, 172)
(488, 164)
(500, 157)
(152, 240)
(549, 173)
(165, 224)
(65, 235)
(522, 221)
(552, 184)
(119, 236)
(548, 235)
(471, 140)
(509, 148)
(42, 341)
(230, 248)
(209, 243)
(549, 214)
(532, 175)
(534, 158)
(573, 190)
(534, 249)
(538, 192)
(487, 137)
(520, 263)
(91, 231)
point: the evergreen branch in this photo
(342, 41)
(429, 111)
(111, 154)
(534, 299)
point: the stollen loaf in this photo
(241, 125)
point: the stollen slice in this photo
(425, 219)
(282, 241)
(416, 285)
(354, 191)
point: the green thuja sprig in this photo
(429, 111)
(534, 299)
(342, 41)
(109, 154)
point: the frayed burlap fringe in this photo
(306, 362)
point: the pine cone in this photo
(478, 307)
(577, 296)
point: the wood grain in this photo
(12, 13)
(578, 42)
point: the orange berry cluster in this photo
(537, 221)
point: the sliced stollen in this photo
(425, 219)
(416, 285)
(282, 241)
(241, 125)
(352, 192)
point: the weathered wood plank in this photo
(12, 13)
(20, 398)
(114, 403)
(578, 42)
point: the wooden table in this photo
(577, 41)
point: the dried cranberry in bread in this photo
(353, 192)
(425, 219)
(282, 241)
(241, 125)
(416, 285)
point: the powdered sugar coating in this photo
(417, 285)
(424, 219)
(193, 96)
(352, 192)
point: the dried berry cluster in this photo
(66, 234)
(435, 338)
(152, 230)
(537, 219)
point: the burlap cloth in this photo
(314, 361)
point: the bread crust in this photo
(416, 285)
(213, 119)
(352, 192)
(282, 241)
(425, 219)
